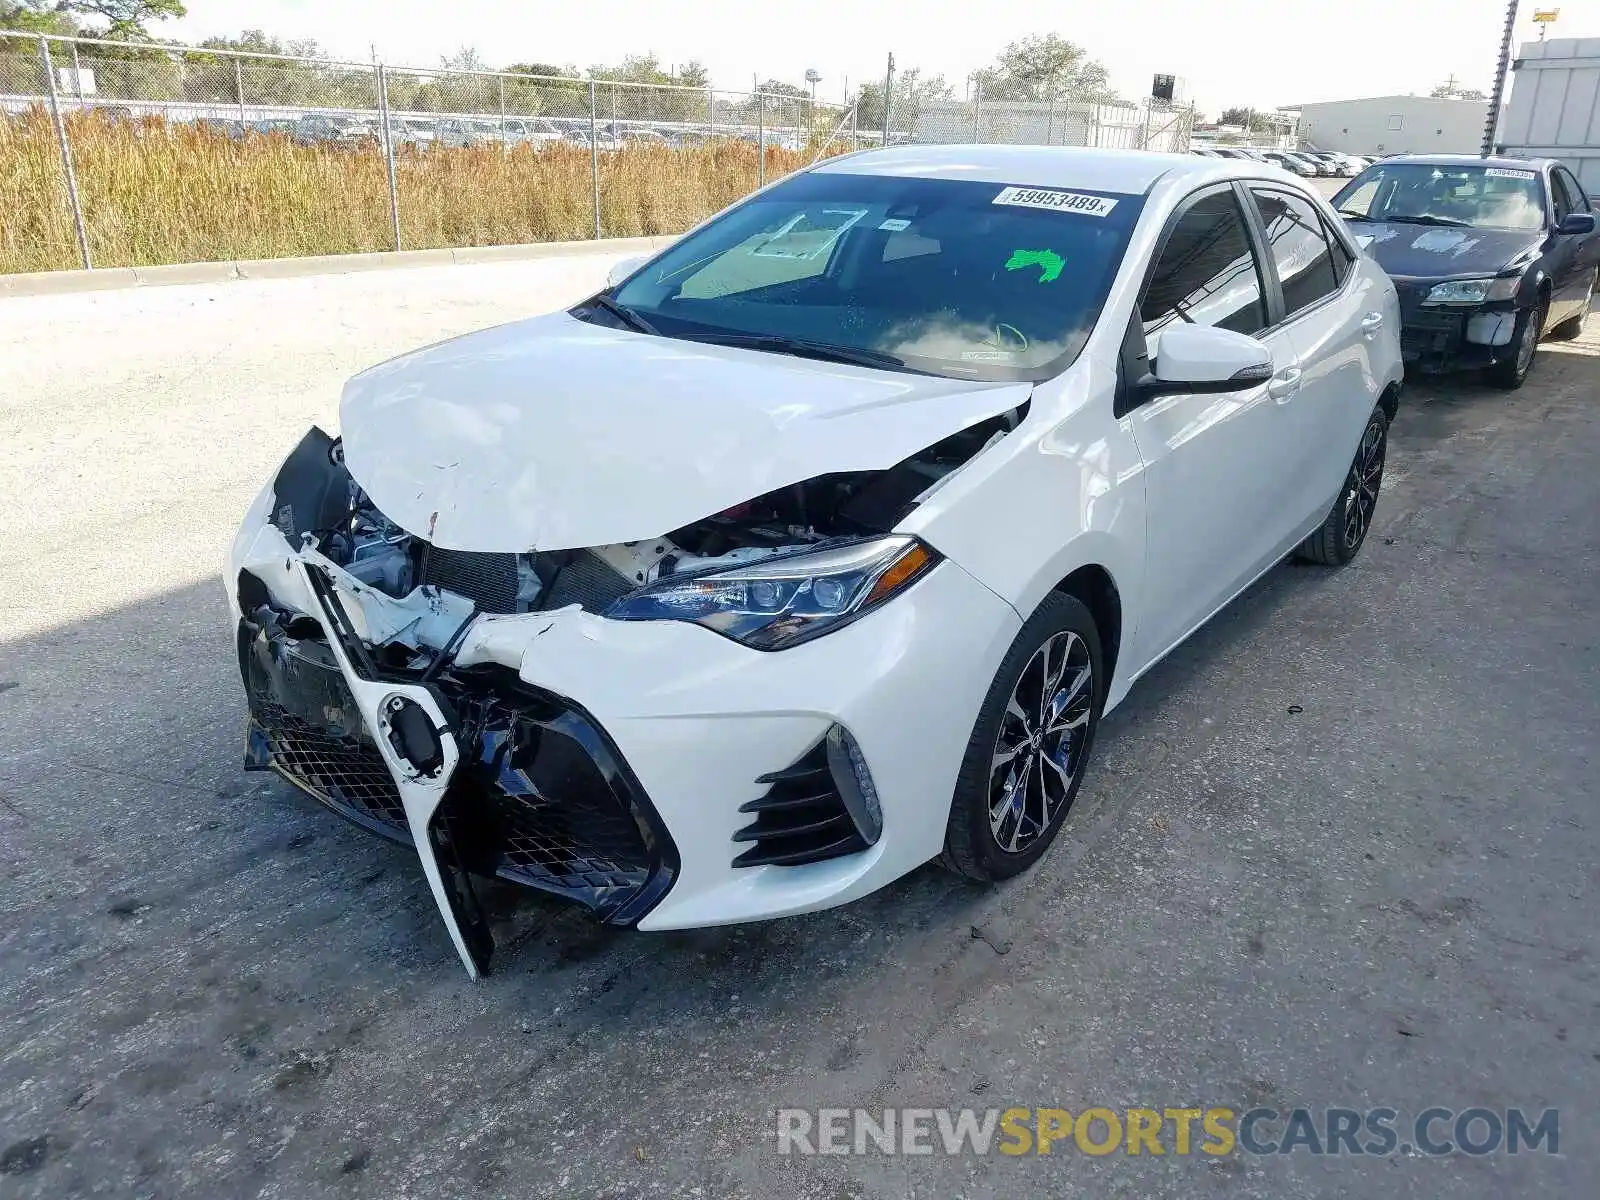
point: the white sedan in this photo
(815, 547)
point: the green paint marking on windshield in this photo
(1049, 262)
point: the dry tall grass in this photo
(157, 195)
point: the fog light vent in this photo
(822, 806)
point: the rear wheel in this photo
(1513, 372)
(1345, 530)
(1026, 757)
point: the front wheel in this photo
(1345, 530)
(1026, 757)
(1512, 373)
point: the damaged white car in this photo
(815, 547)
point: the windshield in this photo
(1481, 197)
(951, 277)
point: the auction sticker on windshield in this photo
(1073, 202)
(1506, 173)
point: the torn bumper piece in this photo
(480, 772)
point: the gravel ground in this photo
(1339, 850)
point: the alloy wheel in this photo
(1361, 487)
(1039, 750)
(1529, 345)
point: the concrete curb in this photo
(49, 283)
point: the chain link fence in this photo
(125, 154)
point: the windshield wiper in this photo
(802, 348)
(1350, 212)
(622, 312)
(1427, 219)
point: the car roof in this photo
(1132, 172)
(1470, 160)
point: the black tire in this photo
(973, 846)
(1345, 529)
(1572, 328)
(1512, 373)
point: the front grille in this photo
(541, 797)
(343, 772)
(488, 580)
(801, 819)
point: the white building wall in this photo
(1395, 125)
(1555, 106)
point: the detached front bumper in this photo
(656, 772)
(1436, 338)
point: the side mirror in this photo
(625, 267)
(1579, 223)
(1204, 359)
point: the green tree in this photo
(558, 93)
(1250, 120)
(911, 92)
(37, 16)
(651, 102)
(123, 19)
(1045, 67)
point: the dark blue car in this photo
(1489, 255)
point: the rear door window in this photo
(1299, 246)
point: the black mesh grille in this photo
(563, 822)
(488, 580)
(339, 770)
(800, 819)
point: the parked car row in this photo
(423, 133)
(1308, 163)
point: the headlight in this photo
(1473, 291)
(784, 601)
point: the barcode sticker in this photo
(1506, 173)
(1072, 202)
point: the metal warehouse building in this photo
(1394, 125)
(1555, 106)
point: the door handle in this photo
(1285, 384)
(1371, 323)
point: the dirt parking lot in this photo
(1339, 850)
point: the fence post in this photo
(594, 160)
(1050, 122)
(66, 156)
(504, 148)
(77, 75)
(888, 97)
(238, 88)
(977, 110)
(388, 152)
(761, 139)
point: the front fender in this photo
(1064, 490)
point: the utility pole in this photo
(1497, 96)
(888, 96)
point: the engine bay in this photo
(316, 495)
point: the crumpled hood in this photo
(555, 434)
(1440, 252)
